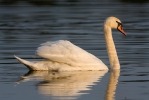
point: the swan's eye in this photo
(119, 24)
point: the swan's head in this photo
(114, 23)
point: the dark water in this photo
(24, 26)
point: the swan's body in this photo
(62, 55)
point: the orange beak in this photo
(121, 30)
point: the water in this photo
(24, 26)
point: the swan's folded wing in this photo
(63, 51)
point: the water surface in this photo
(24, 26)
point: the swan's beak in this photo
(121, 30)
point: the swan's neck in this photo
(113, 58)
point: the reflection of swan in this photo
(111, 88)
(64, 56)
(64, 84)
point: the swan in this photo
(62, 55)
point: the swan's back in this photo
(65, 52)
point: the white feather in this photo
(63, 51)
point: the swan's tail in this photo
(35, 65)
(25, 62)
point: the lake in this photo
(24, 26)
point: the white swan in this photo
(62, 55)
